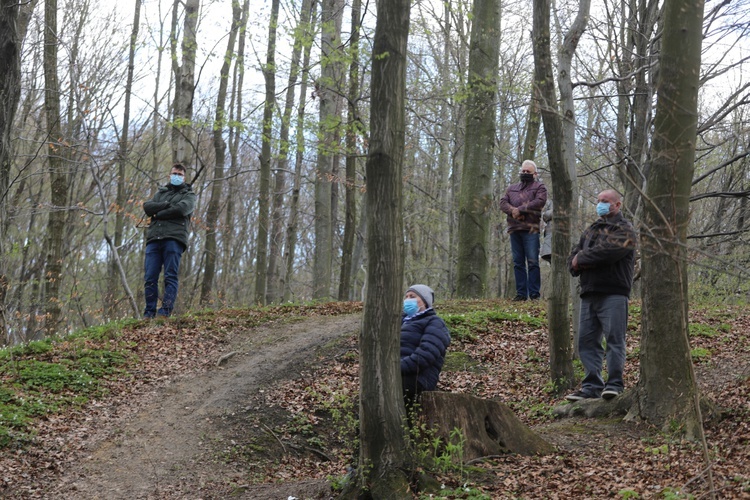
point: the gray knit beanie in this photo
(425, 293)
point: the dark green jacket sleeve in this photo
(152, 207)
(179, 210)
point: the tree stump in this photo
(489, 427)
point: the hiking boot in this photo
(579, 395)
(610, 393)
(519, 298)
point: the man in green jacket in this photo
(166, 239)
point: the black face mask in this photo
(527, 177)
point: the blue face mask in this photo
(176, 180)
(602, 209)
(410, 307)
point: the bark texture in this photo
(488, 427)
(353, 131)
(476, 183)
(382, 441)
(326, 89)
(667, 391)
(220, 148)
(269, 74)
(561, 365)
(58, 177)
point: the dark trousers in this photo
(524, 247)
(162, 254)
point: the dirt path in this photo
(166, 447)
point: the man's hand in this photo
(574, 263)
(516, 213)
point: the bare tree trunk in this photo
(277, 218)
(58, 177)
(269, 74)
(352, 131)
(14, 18)
(12, 13)
(328, 122)
(560, 275)
(533, 124)
(234, 141)
(667, 390)
(220, 147)
(632, 151)
(445, 198)
(476, 184)
(382, 441)
(561, 366)
(122, 181)
(113, 248)
(292, 227)
(155, 116)
(185, 87)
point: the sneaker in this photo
(610, 393)
(519, 298)
(579, 395)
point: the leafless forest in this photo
(268, 105)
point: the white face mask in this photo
(176, 180)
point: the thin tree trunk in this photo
(359, 249)
(561, 366)
(667, 390)
(269, 74)
(476, 183)
(13, 22)
(328, 123)
(155, 115)
(176, 73)
(122, 158)
(560, 276)
(220, 147)
(58, 178)
(383, 453)
(533, 124)
(292, 227)
(445, 199)
(632, 163)
(234, 141)
(352, 131)
(185, 87)
(277, 219)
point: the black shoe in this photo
(610, 393)
(579, 395)
(535, 297)
(519, 298)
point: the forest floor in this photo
(223, 405)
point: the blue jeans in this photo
(524, 247)
(166, 254)
(602, 317)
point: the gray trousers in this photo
(602, 317)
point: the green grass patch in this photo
(467, 326)
(459, 361)
(45, 377)
(702, 330)
(700, 354)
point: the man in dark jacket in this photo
(523, 203)
(604, 259)
(166, 239)
(424, 339)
